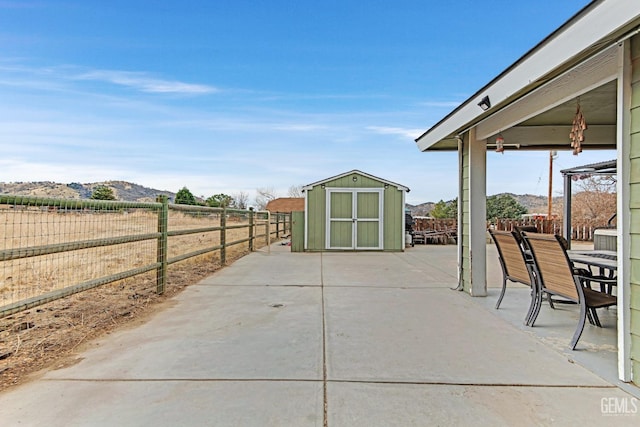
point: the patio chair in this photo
(519, 229)
(556, 276)
(515, 266)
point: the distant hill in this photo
(122, 190)
(533, 203)
(422, 209)
(536, 204)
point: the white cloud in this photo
(145, 83)
(387, 130)
(16, 170)
(15, 74)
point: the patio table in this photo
(606, 261)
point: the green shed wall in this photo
(297, 231)
(393, 220)
(634, 205)
(393, 210)
(316, 218)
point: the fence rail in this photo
(52, 248)
(579, 230)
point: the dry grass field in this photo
(48, 336)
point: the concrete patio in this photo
(338, 339)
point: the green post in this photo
(251, 224)
(163, 244)
(223, 236)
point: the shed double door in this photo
(354, 219)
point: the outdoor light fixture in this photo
(386, 186)
(485, 104)
(322, 186)
(355, 178)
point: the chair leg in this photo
(550, 300)
(536, 309)
(580, 327)
(532, 305)
(504, 288)
(596, 319)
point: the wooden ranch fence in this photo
(433, 230)
(579, 231)
(52, 248)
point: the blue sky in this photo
(229, 96)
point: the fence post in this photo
(277, 225)
(251, 231)
(268, 232)
(163, 244)
(287, 230)
(223, 236)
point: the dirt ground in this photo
(49, 336)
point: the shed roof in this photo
(610, 167)
(384, 181)
(286, 204)
(535, 98)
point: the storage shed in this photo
(354, 211)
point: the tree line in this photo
(594, 202)
(498, 206)
(238, 200)
(185, 197)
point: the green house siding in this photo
(368, 209)
(465, 273)
(634, 204)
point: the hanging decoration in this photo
(500, 144)
(577, 131)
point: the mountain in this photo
(422, 209)
(122, 190)
(533, 203)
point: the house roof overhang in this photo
(534, 101)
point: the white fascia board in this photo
(595, 25)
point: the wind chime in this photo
(577, 131)
(500, 144)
